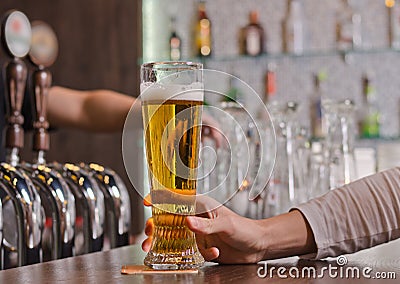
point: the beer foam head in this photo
(160, 92)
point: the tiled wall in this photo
(294, 74)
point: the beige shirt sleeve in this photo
(359, 215)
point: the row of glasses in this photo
(339, 142)
(306, 169)
(287, 186)
(303, 168)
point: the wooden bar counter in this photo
(105, 267)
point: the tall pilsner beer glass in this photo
(172, 97)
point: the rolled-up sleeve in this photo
(359, 215)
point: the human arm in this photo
(101, 111)
(97, 110)
(360, 215)
(236, 239)
(225, 237)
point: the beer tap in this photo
(117, 204)
(16, 36)
(90, 210)
(20, 200)
(81, 223)
(57, 198)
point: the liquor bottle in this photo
(316, 119)
(394, 29)
(348, 27)
(270, 84)
(174, 43)
(203, 32)
(293, 28)
(253, 36)
(370, 124)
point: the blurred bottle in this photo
(174, 43)
(316, 119)
(370, 124)
(269, 94)
(203, 31)
(253, 36)
(233, 93)
(270, 83)
(348, 27)
(293, 28)
(394, 28)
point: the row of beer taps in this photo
(49, 210)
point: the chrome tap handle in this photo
(117, 203)
(11, 240)
(90, 211)
(57, 195)
(55, 250)
(22, 195)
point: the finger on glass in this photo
(146, 245)
(148, 230)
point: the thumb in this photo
(204, 225)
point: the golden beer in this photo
(172, 137)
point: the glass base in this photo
(173, 261)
